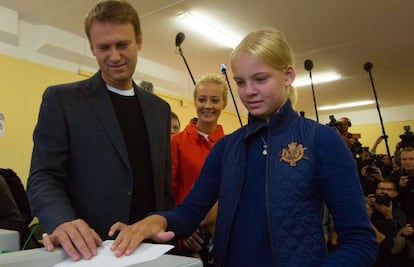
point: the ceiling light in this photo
(320, 78)
(213, 33)
(347, 105)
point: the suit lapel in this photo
(150, 117)
(102, 106)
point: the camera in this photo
(410, 183)
(383, 199)
(356, 147)
(407, 138)
(334, 123)
(371, 170)
(409, 237)
(374, 161)
(206, 252)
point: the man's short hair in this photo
(113, 11)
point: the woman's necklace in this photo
(264, 152)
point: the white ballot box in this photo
(9, 240)
(40, 258)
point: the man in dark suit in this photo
(101, 146)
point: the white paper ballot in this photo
(106, 257)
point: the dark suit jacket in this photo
(80, 166)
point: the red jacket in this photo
(188, 152)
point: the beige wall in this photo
(22, 84)
(370, 132)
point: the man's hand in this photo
(379, 140)
(403, 181)
(194, 242)
(384, 210)
(76, 238)
(407, 230)
(375, 172)
(371, 199)
(130, 236)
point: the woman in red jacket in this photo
(190, 147)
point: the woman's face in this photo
(262, 89)
(209, 102)
(175, 126)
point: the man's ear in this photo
(139, 42)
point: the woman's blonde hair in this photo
(270, 47)
(213, 78)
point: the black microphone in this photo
(223, 69)
(179, 38)
(368, 66)
(308, 65)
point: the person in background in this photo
(388, 219)
(271, 178)
(387, 165)
(386, 162)
(369, 205)
(189, 149)
(11, 218)
(348, 137)
(370, 177)
(175, 123)
(102, 145)
(403, 177)
(363, 159)
(404, 243)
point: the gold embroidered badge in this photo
(293, 153)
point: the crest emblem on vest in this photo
(293, 153)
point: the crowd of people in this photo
(388, 187)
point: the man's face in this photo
(386, 188)
(115, 47)
(407, 160)
(386, 160)
(175, 126)
(344, 125)
(365, 155)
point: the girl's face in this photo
(209, 102)
(262, 89)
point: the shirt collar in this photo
(278, 122)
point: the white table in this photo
(9, 240)
(40, 258)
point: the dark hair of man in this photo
(175, 116)
(388, 181)
(407, 149)
(113, 11)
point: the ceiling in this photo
(337, 36)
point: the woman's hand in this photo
(131, 236)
